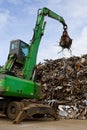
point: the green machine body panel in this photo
(16, 87)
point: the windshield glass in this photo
(24, 48)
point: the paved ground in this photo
(5, 124)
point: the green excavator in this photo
(20, 94)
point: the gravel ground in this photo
(48, 124)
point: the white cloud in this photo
(5, 18)
(50, 52)
(75, 11)
(77, 8)
(80, 44)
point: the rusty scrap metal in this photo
(64, 82)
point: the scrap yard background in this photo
(64, 85)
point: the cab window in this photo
(14, 46)
(24, 49)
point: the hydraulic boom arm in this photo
(38, 33)
(51, 14)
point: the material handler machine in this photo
(20, 95)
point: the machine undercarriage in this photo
(18, 111)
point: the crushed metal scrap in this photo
(64, 85)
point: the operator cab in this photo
(20, 48)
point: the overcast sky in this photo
(18, 18)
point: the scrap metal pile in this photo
(64, 85)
